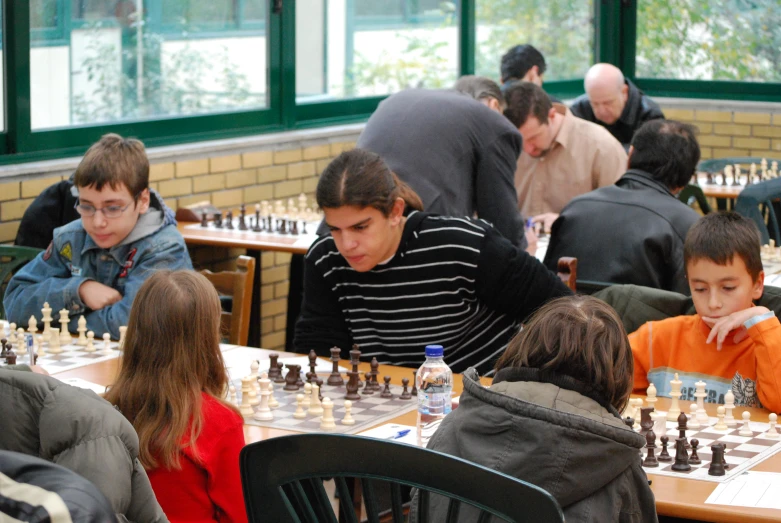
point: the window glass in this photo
(709, 40)
(116, 65)
(340, 55)
(562, 30)
(43, 14)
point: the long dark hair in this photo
(362, 179)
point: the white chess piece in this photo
(245, 409)
(39, 346)
(12, 333)
(660, 426)
(21, 346)
(90, 342)
(772, 420)
(315, 408)
(720, 425)
(253, 372)
(264, 411)
(348, 413)
(54, 343)
(729, 404)
(299, 413)
(307, 395)
(327, 422)
(651, 398)
(700, 394)
(254, 400)
(638, 412)
(32, 325)
(65, 336)
(46, 318)
(234, 398)
(692, 423)
(106, 344)
(82, 330)
(272, 400)
(675, 394)
(122, 332)
(745, 430)
(629, 412)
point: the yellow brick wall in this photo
(733, 133)
(226, 182)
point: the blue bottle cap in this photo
(434, 351)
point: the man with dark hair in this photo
(523, 63)
(563, 156)
(614, 102)
(633, 231)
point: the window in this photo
(709, 40)
(118, 65)
(568, 49)
(338, 56)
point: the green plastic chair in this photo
(693, 193)
(282, 480)
(12, 258)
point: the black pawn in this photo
(229, 220)
(405, 395)
(681, 456)
(10, 357)
(320, 389)
(717, 461)
(294, 227)
(386, 392)
(694, 458)
(4, 343)
(664, 455)
(242, 218)
(650, 459)
(414, 384)
(368, 389)
(256, 227)
(218, 220)
(204, 219)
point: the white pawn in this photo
(745, 430)
(315, 408)
(65, 336)
(122, 332)
(32, 325)
(307, 395)
(245, 409)
(39, 346)
(348, 413)
(327, 422)
(82, 329)
(638, 412)
(264, 411)
(272, 400)
(772, 432)
(90, 342)
(651, 398)
(299, 413)
(20, 342)
(729, 404)
(233, 398)
(693, 423)
(720, 425)
(12, 333)
(106, 344)
(254, 400)
(54, 344)
(253, 369)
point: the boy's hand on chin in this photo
(96, 295)
(721, 327)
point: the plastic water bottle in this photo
(434, 380)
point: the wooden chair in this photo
(12, 258)
(282, 479)
(239, 285)
(568, 271)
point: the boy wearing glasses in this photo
(95, 265)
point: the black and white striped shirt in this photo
(455, 282)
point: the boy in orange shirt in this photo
(729, 343)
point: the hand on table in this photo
(546, 220)
(721, 327)
(96, 295)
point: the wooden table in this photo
(679, 497)
(255, 243)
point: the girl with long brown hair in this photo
(394, 279)
(171, 382)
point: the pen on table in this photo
(400, 434)
(529, 223)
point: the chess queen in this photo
(393, 279)
(551, 416)
(171, 387)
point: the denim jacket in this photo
(55, 275)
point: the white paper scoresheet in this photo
(752, 489)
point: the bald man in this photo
(615, 103)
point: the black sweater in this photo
(453, 281)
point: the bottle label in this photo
(434, 402)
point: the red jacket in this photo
(207, 489)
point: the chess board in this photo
(72, 357)
(369, 411)
(741, 454)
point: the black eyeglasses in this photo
(110, 211)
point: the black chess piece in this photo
(723, 180)
(294, 227)
(312, 374)
(386, 392)
(218, 220)
(10, 357)
(303, 227)
(646, 423)
(355, 359)
(354, 378)
(629, 421)
(243, 217)
(256, 226)
(650, 440)
(229, 220)
(405, 394)
(299, 381)
(682, 421)
(709, 178)
(664, 455)
(290, 378)
(275, 369)
(335, 378)
(375, 372)
(320, 389)
(282, 226)
(204, 219)
(716, 467)
(694, 458)
(4, 344)
(414, 384)
(681, 456)
(367, 388)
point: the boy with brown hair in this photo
(730, 343)
(95, 265)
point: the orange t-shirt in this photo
(751, 368)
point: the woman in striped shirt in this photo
(394, 279)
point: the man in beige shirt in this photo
(563, 156)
